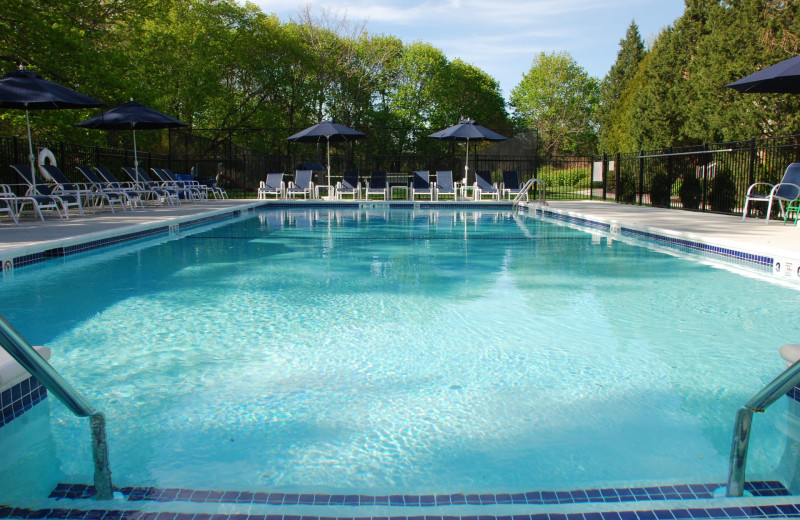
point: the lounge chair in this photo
(302, 184)
(186, 190)
(210, 186)
(129, 197)
(349, 185)
(44, 194)
(8, 202)
(203, 191)
(785, 191)
(444, 184)
(12, 204)
(143, 193)
(102, 192)
(510, 184)
(273, 185)
(66, 186)
(421, 184)
(377, 185)
(484, 186)
(143, 181)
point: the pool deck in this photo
(752, 236)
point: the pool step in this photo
(771, 499)
(788, 510)
(771, 488)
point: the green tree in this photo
(615, 83)
(558, 98)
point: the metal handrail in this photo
(24, 354)
(526, 187)
(777, 388)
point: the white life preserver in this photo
(46, 156)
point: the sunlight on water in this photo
(392, 351)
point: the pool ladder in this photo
(526, 188)
(24, 354)
(778, 387)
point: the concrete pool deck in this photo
(751, 236)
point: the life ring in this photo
(46, 156)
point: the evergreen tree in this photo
(630, 54)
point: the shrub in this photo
(690, 191)
(660, 190)
(722, 195)
(627, 188)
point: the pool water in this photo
(396, 351)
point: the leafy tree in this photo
(615, 83)
(558, 98)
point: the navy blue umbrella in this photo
(26, 90)
(781, 78)
(131, 115)
(326, 131)
(467, 130)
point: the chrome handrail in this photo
(526, 187)
(24, 354)
(777, 388)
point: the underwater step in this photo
(787, 510)
(606, 495)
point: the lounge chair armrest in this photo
(750, 189)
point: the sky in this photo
(501, 37)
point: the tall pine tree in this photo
(631, 52)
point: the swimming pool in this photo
(396, 351)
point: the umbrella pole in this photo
(328, 138)
(466, 166)
(135, 154)
(30, 151)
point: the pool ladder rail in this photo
(523, 192)
(778, 387)
(24, 354)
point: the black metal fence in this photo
(710, 177)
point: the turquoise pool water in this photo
(396, 351)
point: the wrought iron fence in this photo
(708, 177)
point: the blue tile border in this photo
(579, 496)
(787, 510)
(761, 263)
(20, 398)
(60, 252)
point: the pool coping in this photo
(779, 264)
(783, 265)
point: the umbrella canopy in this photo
(26, 90)
(467, 130)
(781, 78)
(131, 115)
(326, 131)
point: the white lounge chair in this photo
(376, 185)
(349, 185)
(421, 185)
(273, 185)
(485, 186)
(444, 184)
(302, 185)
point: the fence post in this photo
(604, 170)
(705, 182)
(641, 179)
(751, 175)
(617, 186)
(670, 176)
